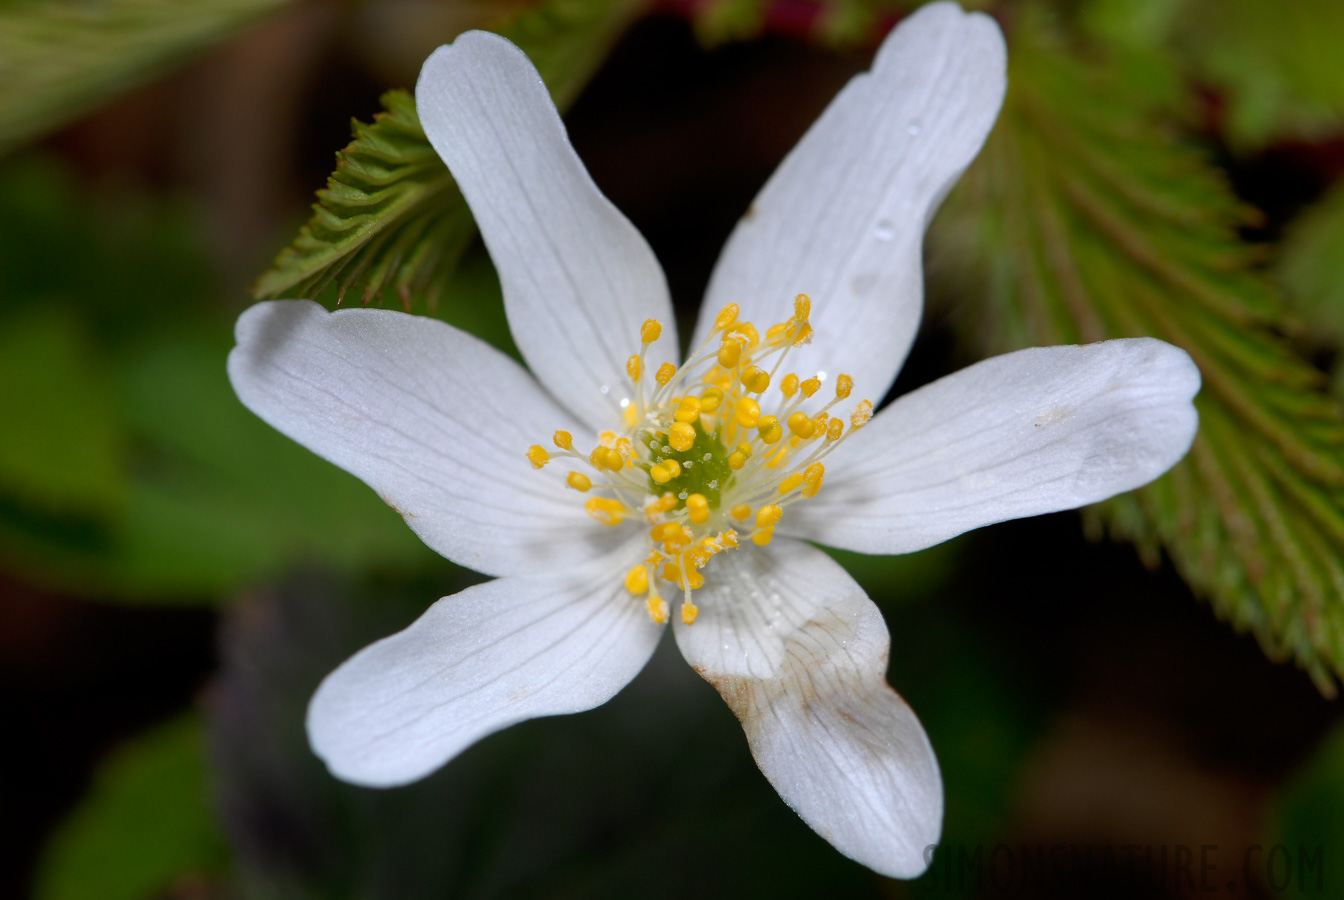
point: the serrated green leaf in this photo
(391, 216)
(1086, 219)
(145, 824)
(61, 58)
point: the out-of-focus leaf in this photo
(63, 449)
(1307, 825)
(128, 469)
(145, 825)
(1275, 65)
(1311, 267)
(60, 58)
(391, 215)
(1085, 219)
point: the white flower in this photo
(440, 424)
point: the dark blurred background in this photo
(175, 579)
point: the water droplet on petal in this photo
(884, 230)
(912, 128)
(605, 389)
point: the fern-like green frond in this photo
(1086, 219)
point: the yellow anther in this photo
(657, 608)
(744, 449)
(654, 558)
(802, 307)
(688, 612)
(789, 386)
(788, 484)
(740, 512)
(681, 436)
(810, 386)
(624, 447)
(862, 413)
(665, 471)
(688, 410)
(748, 331)
(607, 439)
(775, 332)
(730, 351)
(634, 367)
(768, 515)
(748, 412)
(697, 506)
(578, 481)
(637, 580)
(670, 533)
(629, 416)
(650, 331)
(665, 373)
(727, 316)
(710, 399)
(763, 537)
(755, 379)
(835, 429)
(606, 510)
(736, 460)
(564, 440)
(803, 335)
(538, 456)
(607, 458)
(843, 385)
(801, 425)
(729, 538)
(693, 579)
(665, 503)
(812, 476)
(769, 429)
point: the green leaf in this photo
(59, 59)
(1305, 821)
(1309, 268)
(145, 824)
(1085, 218)
(391, 215)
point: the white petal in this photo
(434, 420)
(843, 217)
(1030, 432)
(578, 279)
(477, 662)
(800, 654)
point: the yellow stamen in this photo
(637, 580)
(664, 374)
(748, 413)
(726, 317)
(730, 351)
(834, 430)
(688, 410)
(802, 307)
(843, 385)
(740, 512)
(789, 386)
(788, 484)
(688, 612)
(710, 399)
(665, 471)
(801, 425)
(862, 413)
(763, 537)
(538, 456)
(810, 386)
(578, 481)
(564, 440)
(634, 367)
(681, 436)
(803, 336)
(768, 515)
(755, 379)
(697, 507)
(736, 460)
(812, 479)
(657, 608)
(769, 429)
(650, 331)
(605, 510)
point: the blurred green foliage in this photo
(61, 58)
(1088, 217)
(136, 473)
(146, 824)
(1310, 266)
